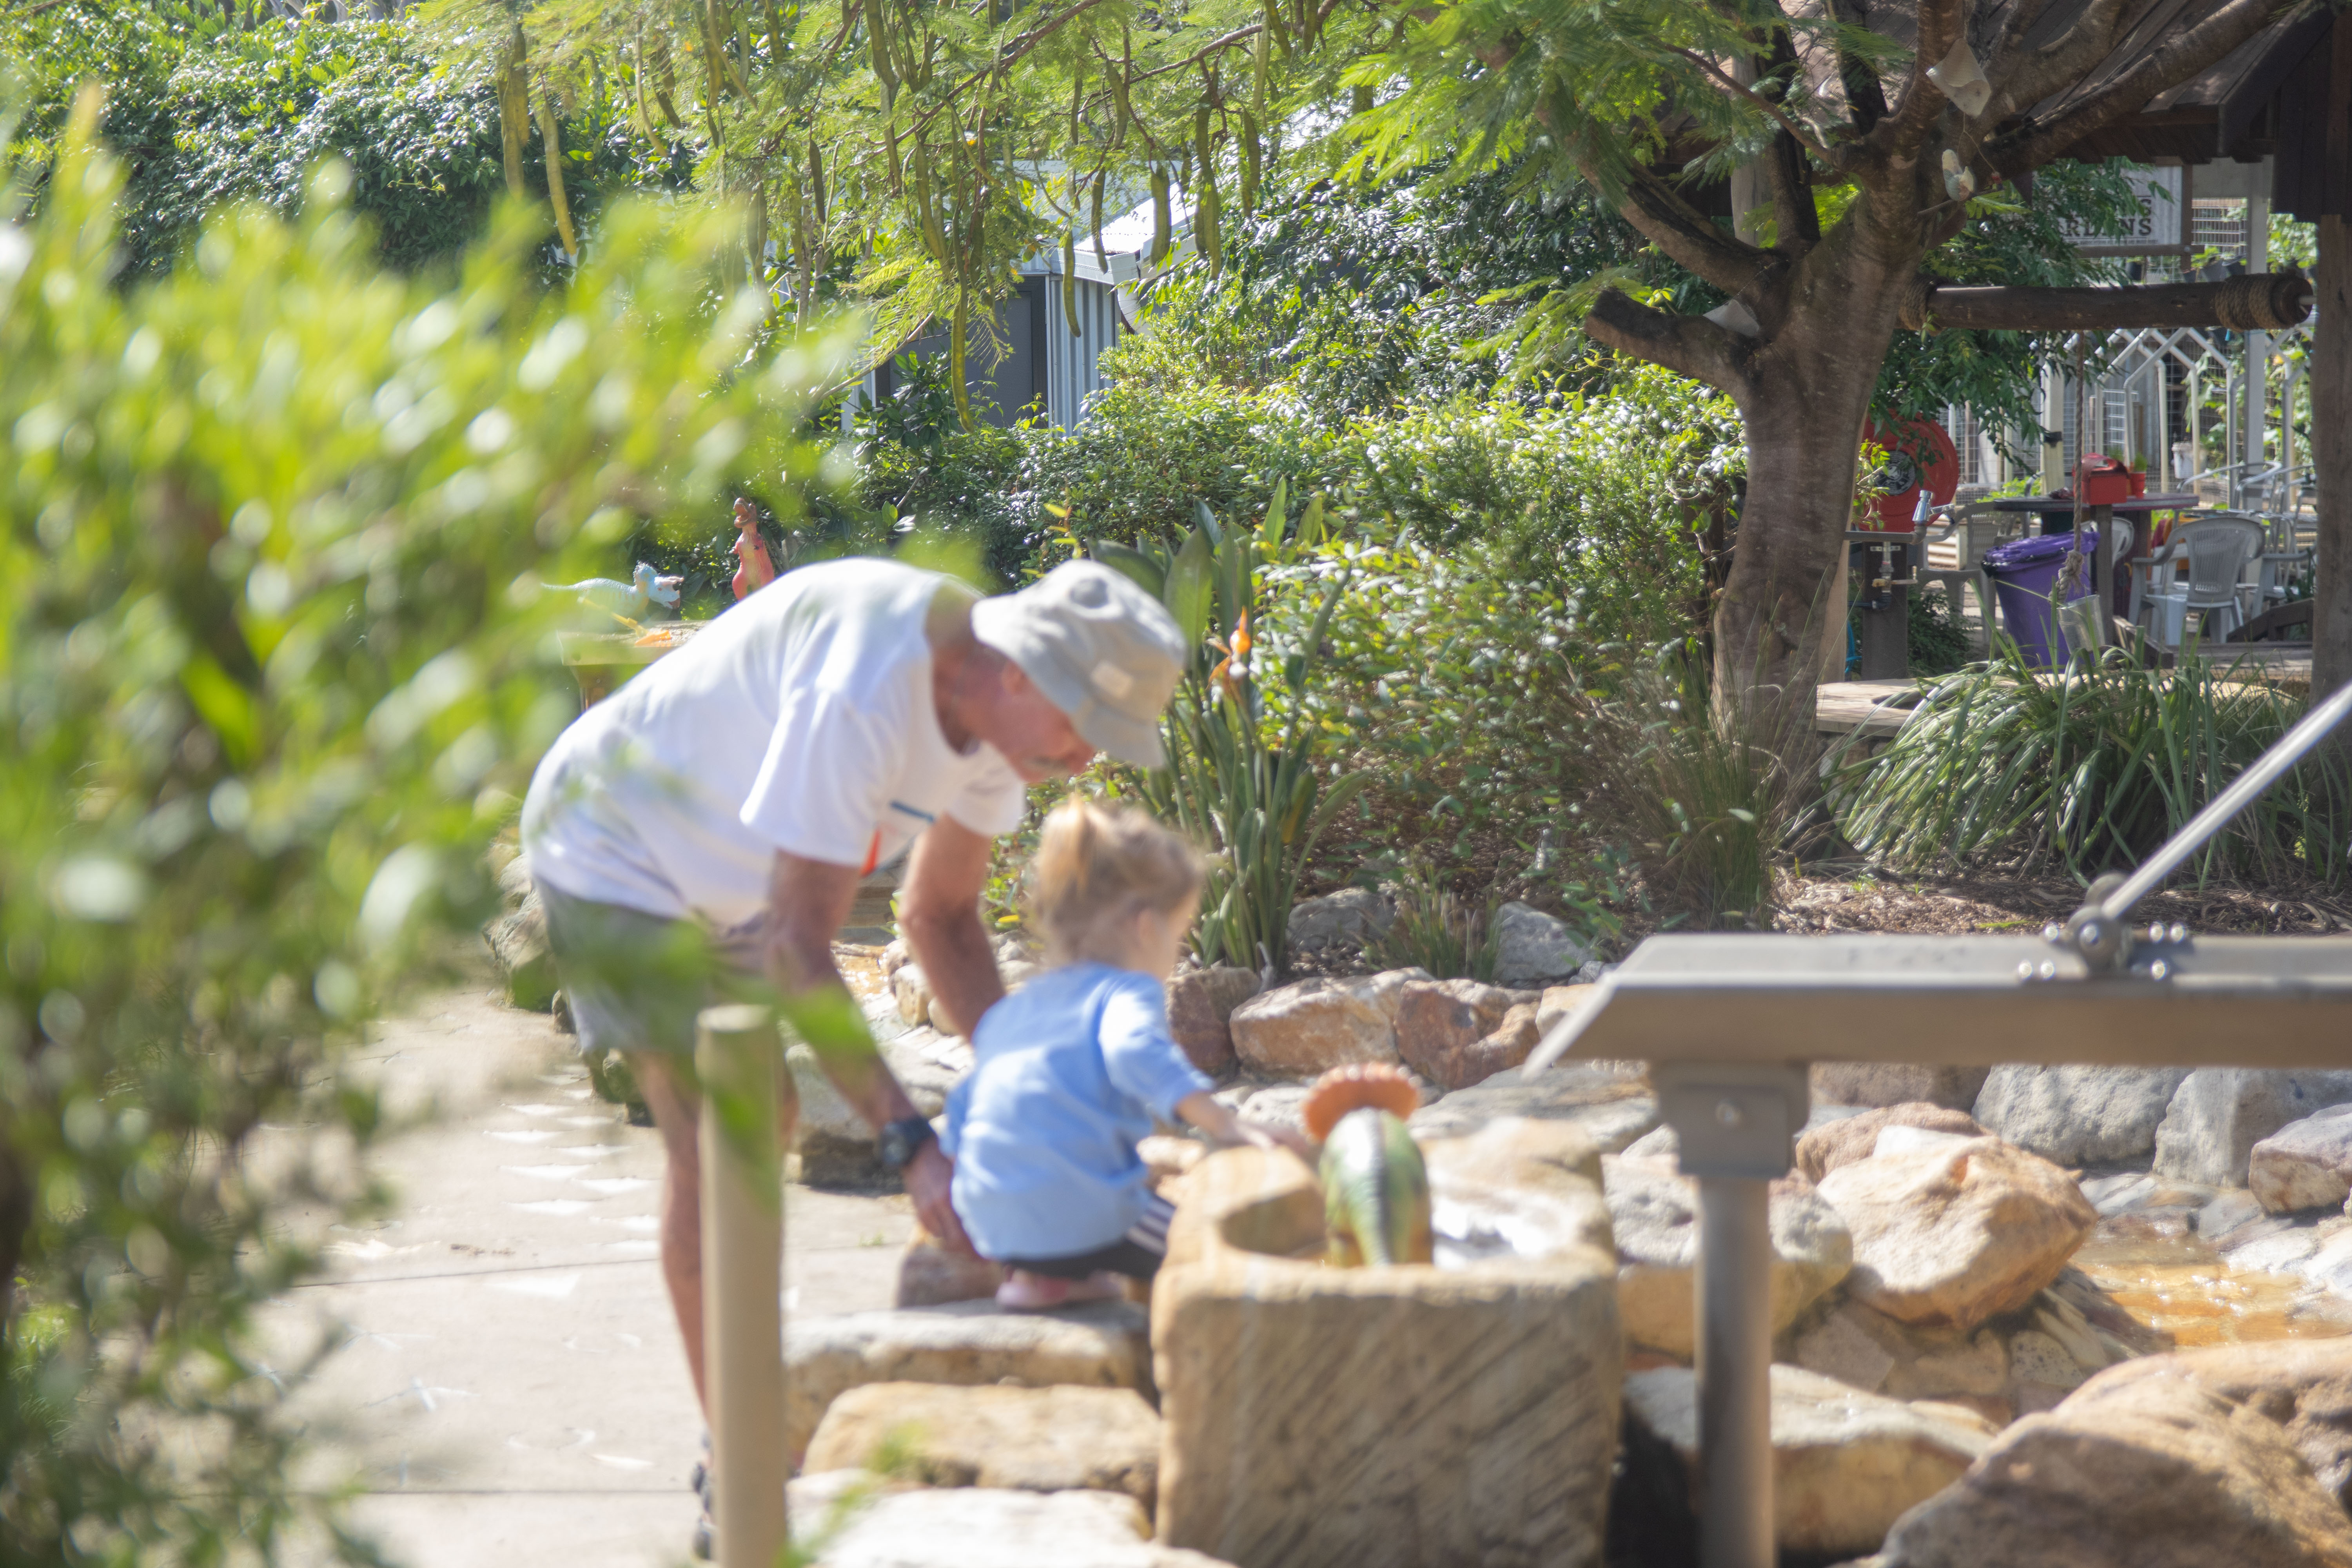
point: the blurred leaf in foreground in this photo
(271, 673)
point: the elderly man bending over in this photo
(715, 816)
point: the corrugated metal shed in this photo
(1047, 370)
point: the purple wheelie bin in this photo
(2024, 573)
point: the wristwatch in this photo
(904, 1139)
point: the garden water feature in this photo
(2153, 1265)
(1464, 1411)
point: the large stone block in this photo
(1845, 1465)
(1535, 948)
(1654, 1216)
(1958, 1231)
(2219, 1114)
(2305, 1385)
(2143, 1472)
(1875, 1084)
(1349, 918)
(1823, 1149)
(1104, 1344)
(1416, 1416)
(1457, 1033)
(1025, 1439)
(2079, 1115)
(2305, 1164)
(858, 1521)
(1312, 1026)
(1610, 1103)
(1201, 1004)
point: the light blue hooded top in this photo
(1072, 1069)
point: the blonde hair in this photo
(1096, 866)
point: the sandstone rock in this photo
(1201, 1004)
(932, 1274)
(1345, 918)
(1169, 1160)
(1024, 1440)
(2330, 1266)
(1824, 1148)
(1610, 1102)
(837, 1146)
(1103, 1344)
(2036, 1359)
(1874, 1084)
(1654, 1215)
(517, 942)
(978, 1528)
(1282, 1105)
(1865, 1348)
(1325, 1418)
(2227, 1213)
(2148, 1471)
(1534, 948)
(2305, 1164)
(2219, 1114)
(1846, 1464)
(1312, 1026)
(1457, 1033)
(896, 956)
(1953, 1234)
(912, 992)
(2079, 1115)
(2305, 1385)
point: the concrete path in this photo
(501, 1377)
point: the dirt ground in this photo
(1834, 896)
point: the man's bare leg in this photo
(677, 1117)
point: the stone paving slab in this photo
(505, 1383)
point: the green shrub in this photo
(2090, 772)
(1701, 805)
(269, 689)
(1453, 686)
(1451, 937)
(206, 112)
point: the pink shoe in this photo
(1024, 1292)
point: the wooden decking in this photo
(1875, 707)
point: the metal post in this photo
(736, 1056)
(1735, 1372)
(1736, 1124)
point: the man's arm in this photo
(939, 910)
(807, 903)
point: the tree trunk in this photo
(1807, 393)
(2331, 451)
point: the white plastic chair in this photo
(2217, 552)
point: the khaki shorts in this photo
(635, 982)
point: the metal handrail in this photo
(2100, 930)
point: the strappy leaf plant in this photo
(1243, 784)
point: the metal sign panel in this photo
(2161, 227)
(2238, 1001)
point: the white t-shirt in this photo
(802, 719)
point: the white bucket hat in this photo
(1100, 648)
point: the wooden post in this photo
(2331, 392)
(737, 1055)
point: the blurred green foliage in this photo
(204, 110)
(273, 669)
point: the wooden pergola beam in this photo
(2260, 302)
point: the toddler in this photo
(1074, 1068)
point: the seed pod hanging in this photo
(514, 110)
(1249, 159)
(1206, 206)
(1159, 224)
(1070, 282)
(1102, 177)
(816, 180)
